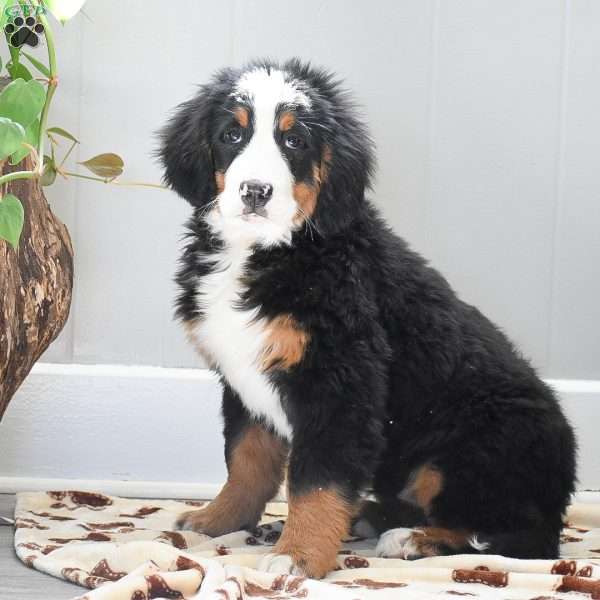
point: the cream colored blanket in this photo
(127, 550)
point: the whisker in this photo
(310, 224)
(205, 209)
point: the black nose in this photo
(255, 194)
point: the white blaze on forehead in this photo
(266, 90)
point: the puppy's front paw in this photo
(206, 520)
(399, 543)
(280, 564)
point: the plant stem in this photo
(113, 181)
(52, 83)
(17, 175)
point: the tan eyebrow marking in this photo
(287, 121)
(241, 116)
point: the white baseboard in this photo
(155, 432)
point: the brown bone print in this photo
(491, 578)
(370, 584)
(88, 499)
(43, 549)
(283, 587)
(29, 524)
(29, 560)
(51, 517)
(356, 562)
(103, 570)
(81, 577)
(90, 537)
(564, 567)
(184, 563)
(582, 585)
(107, 526)
(142, 513)
(158, 588)
(174, 538)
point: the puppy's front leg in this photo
(255, 462)
(326, 473)
(317, 521)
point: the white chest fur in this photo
(234, 341)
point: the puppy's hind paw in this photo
(398, 543)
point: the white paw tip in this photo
(479, 546)
(397, 543)
(280, 564)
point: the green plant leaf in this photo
(11, 136)
(22, 101)
(31, 137)
(18, 71)
(63, 133)
(3, 15)
(11, 219)
(49, 174)
(105, 165)
(41, 67)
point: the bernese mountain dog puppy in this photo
(346, 361)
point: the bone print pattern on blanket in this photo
(124, 549)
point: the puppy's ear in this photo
(347, 164)
(185, 150)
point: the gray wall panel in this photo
(484, 114)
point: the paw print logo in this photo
(24, 30)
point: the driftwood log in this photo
(36, 282)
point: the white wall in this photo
(485, 114)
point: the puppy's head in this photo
(267, 151)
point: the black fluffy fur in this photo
(399, 371)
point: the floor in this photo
(16, 580)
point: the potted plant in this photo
(36, 255)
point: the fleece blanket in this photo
(122, 549)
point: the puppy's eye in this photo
(295, 142)
(233, 135)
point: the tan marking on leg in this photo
(220, 181)
(287, 121)
(242, 116)
(424, 485)
(429, 540)
(428, 483)
(285, 343)
(312, 535)
(256, 469)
